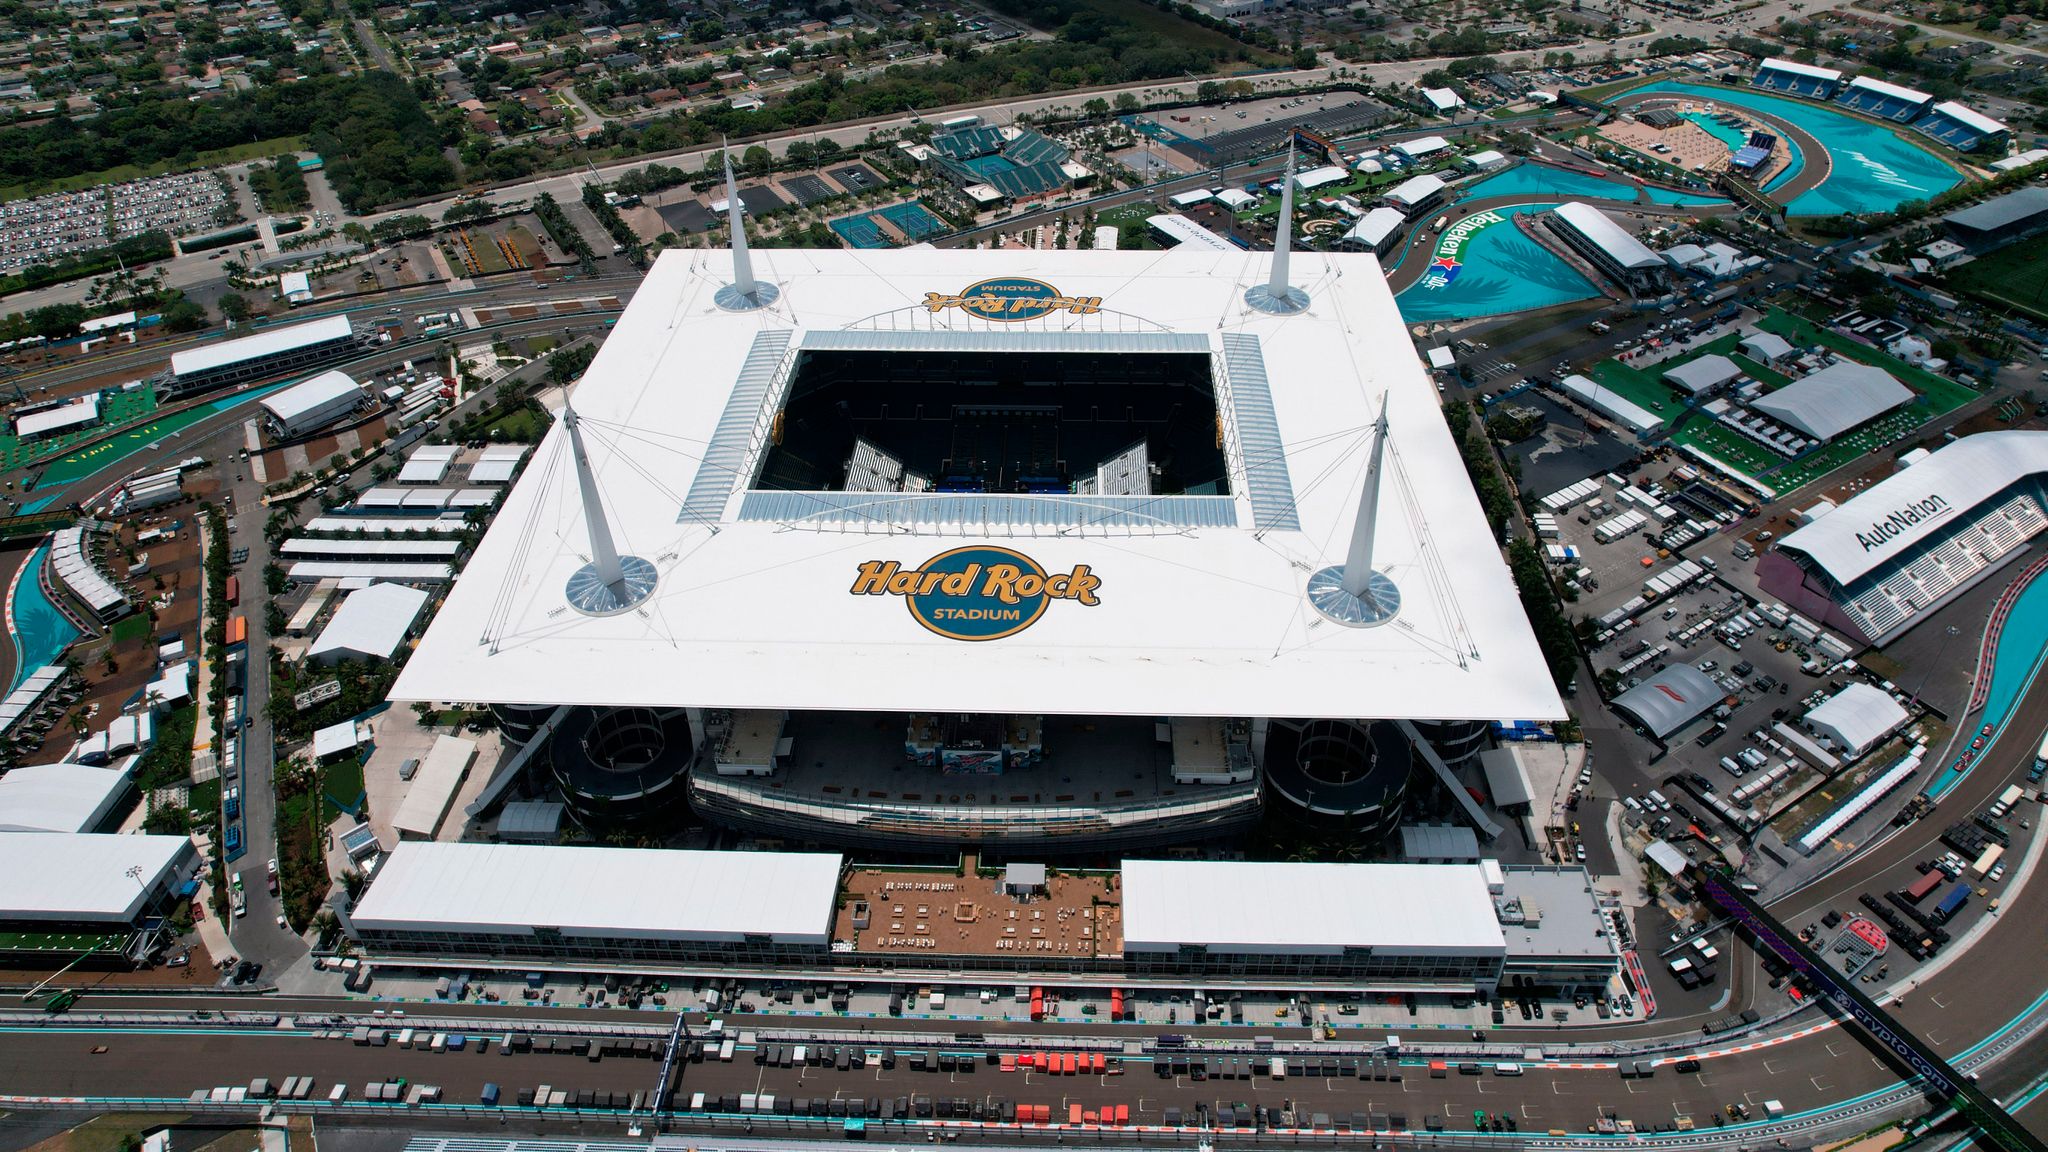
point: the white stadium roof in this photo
(1892, 515)
(268, 342)
(1829, 402)
(603, 892)
(1612, 238)
(754, 606)
(294, 403)
(71, 877)
(1231, 907)
(58, 797)
(1797, 69)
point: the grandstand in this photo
(1897, 551)
(1796, 79)
(1004, 163)
(1753, 155)
(1962, 128)
(1885, 101)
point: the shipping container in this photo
(234, 591)
(1928, 882)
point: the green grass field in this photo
(209, 159)
(2015, 277)
(341, 784)
(1646, 388)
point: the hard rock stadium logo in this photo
(1010, 299)
(977, 593)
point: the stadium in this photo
(1887, 558)
(1954, 124)
(1042, 551)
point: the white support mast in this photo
(610, 583)
(1352, 593)
(744, 294)
(1276, 295)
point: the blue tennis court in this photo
(859, 231)
(913, 220)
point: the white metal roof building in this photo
(386, 525)
(1765, 347)
(371, 624)
(271, 352)
(1377, 231)
(1318, 177)
(428, 464)
(1891, 554)
(1839, 397)
(311, 405)
(60, 797)
(69, 417)
(80, 880)
(1889, 101)
(497, 464)
(1612, 249)
(314, 571)
(295, 287)
(1392, 923)
(1612, 404)
(1443, 100)
(433, 788)
(1703, 374)
(507, 901)
(1424, 146)
(309, 548)
(1671, 699)
(1417, 193)
(1857, 718)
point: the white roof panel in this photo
(372, 622)
(1891, 516)
(1795, 68)
(1858, 716)
(58, 876)
(432, 789)
(1616, 241)
(719, 629)
(78, 413)
(1375, 226)
(58, 797)
(603, 892)
(1896, 92)
(1422, 147)
(269, 342)
(292, 403)
(1186, 233)
(1416, 189)
(1969, 117)
(1703, 373)
(1402, 909)
(1829, 402)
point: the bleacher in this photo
(1795, 79)
(1885, 101)
(1891, 597)
(1959, 127)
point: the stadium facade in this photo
(1040, 551)
(1887, 558)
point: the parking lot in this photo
(48, 228)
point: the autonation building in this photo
(1889, 556)
(1048, 551)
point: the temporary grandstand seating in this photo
(1959, 127)
(1892, 596)
(1775, 77)
(1886, 101)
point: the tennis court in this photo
(913, 220)
(860, 231)
(808, 189)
